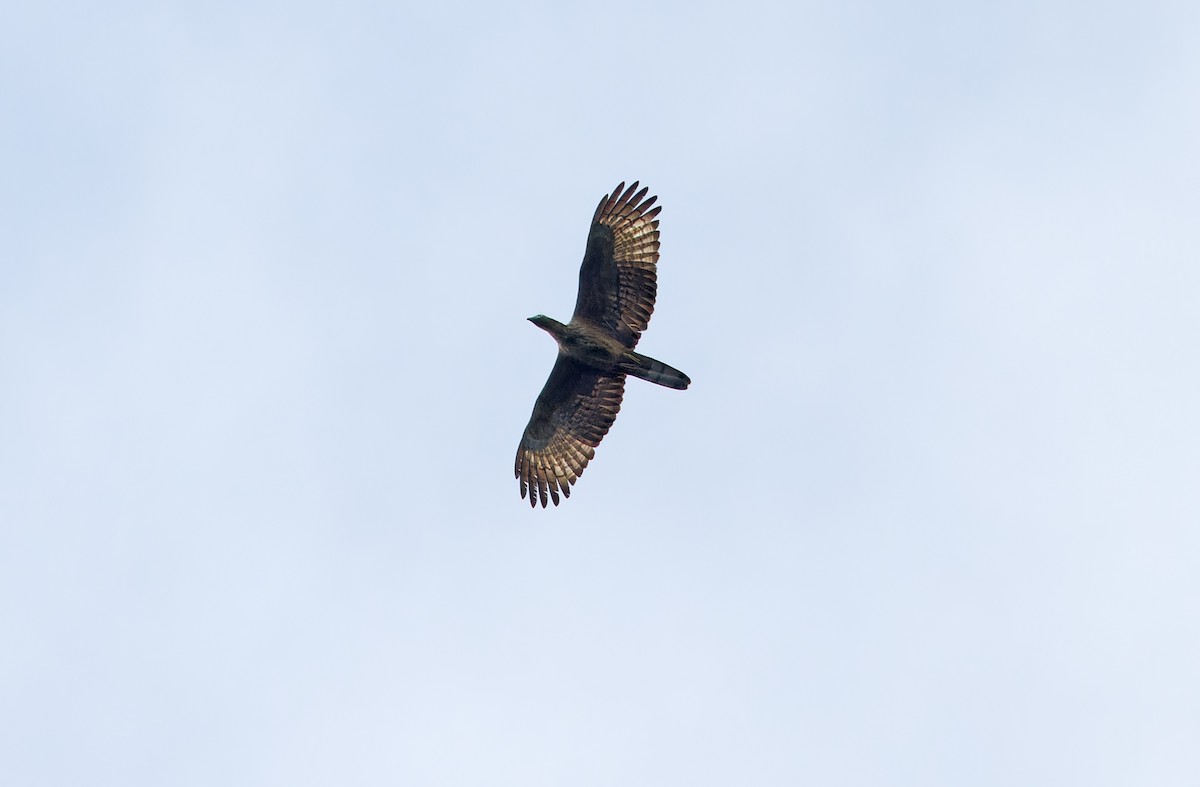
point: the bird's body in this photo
(582, 342)
(617, 287)
(590, 346)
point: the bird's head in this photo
(547, 324)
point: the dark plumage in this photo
(617, 285)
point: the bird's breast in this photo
(588, 346)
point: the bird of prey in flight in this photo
(617, 284)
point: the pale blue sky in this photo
(927, 516)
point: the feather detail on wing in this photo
(573, 413)
(618, 279)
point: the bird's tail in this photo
(658, 372)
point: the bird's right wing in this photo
(573, 413)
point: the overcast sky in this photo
(928, 514)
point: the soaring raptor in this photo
(617, 284)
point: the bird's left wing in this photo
(618, 279)
(573, 413)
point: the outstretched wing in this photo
(618, 279)
(573, 413)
